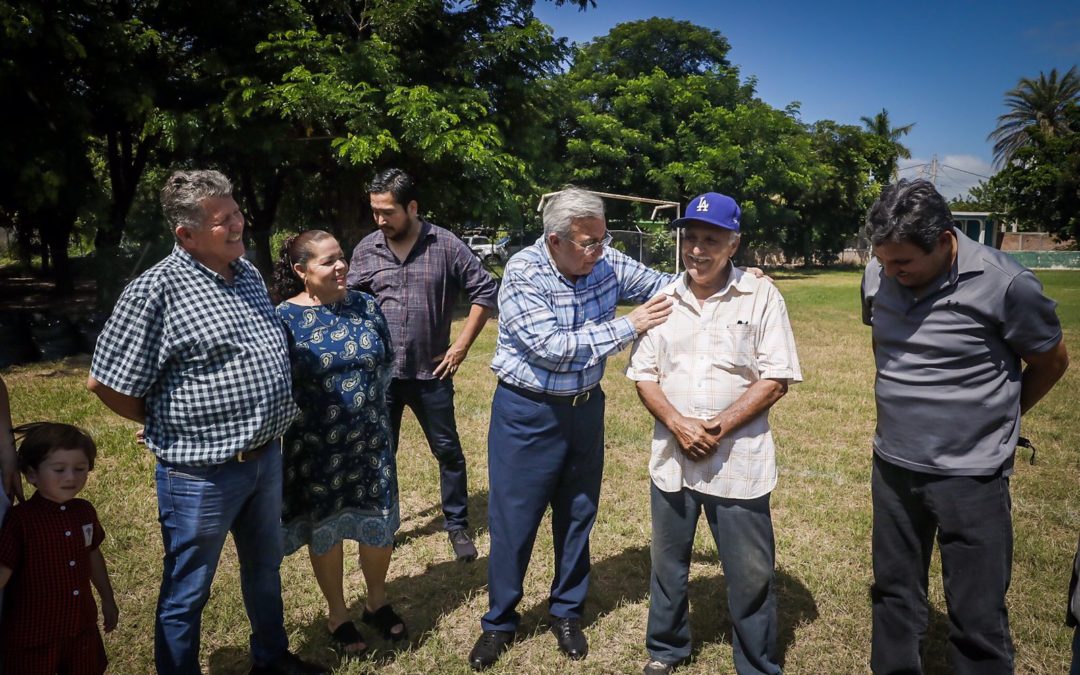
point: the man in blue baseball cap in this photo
(709, 375)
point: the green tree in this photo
(981, 197)
(1041, 189)
(655, 109)
(891, 150)
(1035, 105)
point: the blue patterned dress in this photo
(340, 474)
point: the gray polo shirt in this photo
(948, 364)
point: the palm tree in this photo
(880, 125)
(1037, 103)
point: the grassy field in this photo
(821, 511)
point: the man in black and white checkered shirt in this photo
(194, 351)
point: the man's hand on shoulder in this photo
(758, 273)
(652, 313)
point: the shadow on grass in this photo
(935, 655)
(430, 520)
(421, 600)
(711, 622)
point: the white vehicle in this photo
(490, 252)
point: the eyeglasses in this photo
(595, 247)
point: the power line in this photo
(966, 171)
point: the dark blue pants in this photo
(971, 517)
(541, 454)
(432, 401)
(743, 532)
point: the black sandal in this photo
(385, 619)
(346, 635)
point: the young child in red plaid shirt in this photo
(49, 553)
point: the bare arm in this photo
(1041, 374)
(695, 441)
(99, 576)
(131, 407)
(5, 576)
(9, 468)
(449, 361)
(757, 399)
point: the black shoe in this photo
(289, 664)
(489, 647)
(655, 667)
(463, 545)
(572, 641)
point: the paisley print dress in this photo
(340, 475)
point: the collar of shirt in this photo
(383, 248)
(237, 267)
(738, 280)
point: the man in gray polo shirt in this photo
(951, 320)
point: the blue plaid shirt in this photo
(209, 357)
(554, 335)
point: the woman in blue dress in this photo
(340, 474)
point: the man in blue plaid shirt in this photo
(557, 326)
(194, 352)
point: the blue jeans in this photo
(971, 517)
(432, 401)
(197, 507)
(540, 454)
(742, 529)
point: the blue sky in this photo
(943, 65)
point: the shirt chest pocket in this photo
(734, 345)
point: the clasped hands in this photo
(697, 438)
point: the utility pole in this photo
(933, 170)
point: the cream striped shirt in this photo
(704, 357)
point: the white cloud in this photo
(956, 174)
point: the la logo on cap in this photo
(703, 206)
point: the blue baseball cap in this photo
(711, 208)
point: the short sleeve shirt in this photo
(948, 363)
(417, 295)
(704, 357)
(209, 357)
(47, 546)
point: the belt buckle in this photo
(578, 399)
(240, 457)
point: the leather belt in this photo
(572, 400)
(253, 454)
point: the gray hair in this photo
(908, 211)
(563, 207)
(184, 192)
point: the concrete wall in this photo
(1048, 260)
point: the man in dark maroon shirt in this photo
(417, 270)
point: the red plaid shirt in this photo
(47, 546)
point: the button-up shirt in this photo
(704, 357)
(417, 295)
(47, 546)
(555, 335)
(948, 361)
(209, 357)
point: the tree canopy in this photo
(300, 102)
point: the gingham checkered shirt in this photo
(47, 546)
(209, 357)
(554, 335)
(704, 358)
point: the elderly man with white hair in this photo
(557, 326)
